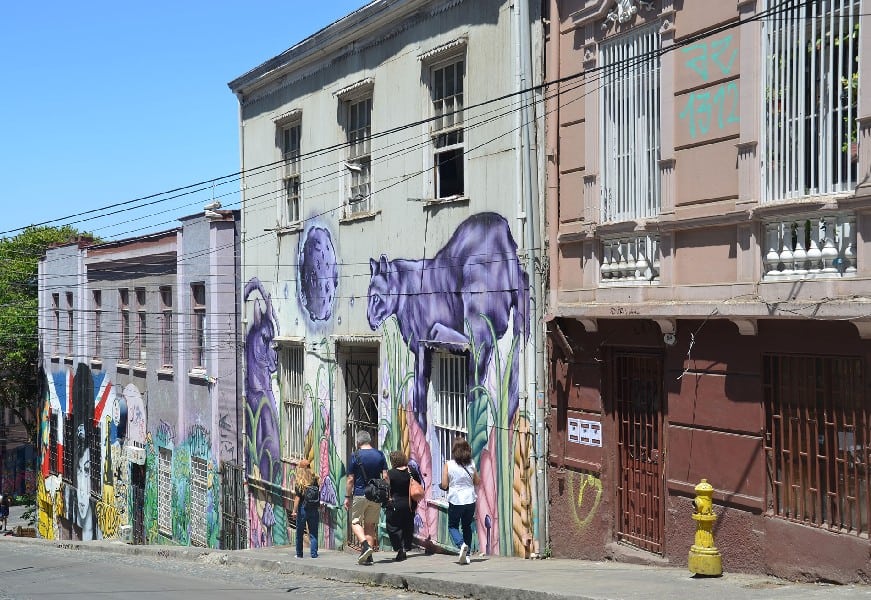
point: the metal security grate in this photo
(631, 139)
(292, 388)
(810, 53)
(52, 443)
(449, 380)
(164, 491)
(199, 489)
(68, 448)
(234, 531)
(636, 386)
(816, 441)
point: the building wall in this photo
(409, 248)
(137, 406)
(712, 315)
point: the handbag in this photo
(415, 489)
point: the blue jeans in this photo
(311, 517)
(461, 514)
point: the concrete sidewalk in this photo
(492, 577)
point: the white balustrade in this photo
(631, 260)
(810, 247)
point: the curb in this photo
(363, 575)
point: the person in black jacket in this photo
(400, 510)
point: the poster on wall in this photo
(586, 433)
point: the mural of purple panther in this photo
(261, 363)
(449, 299)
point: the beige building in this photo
(708, 213)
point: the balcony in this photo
(632, 260)
(810, 247)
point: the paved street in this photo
(40, 571)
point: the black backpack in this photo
(311, 495)
(377, 489)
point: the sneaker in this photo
(314, 555)
(468, 560)
(365, 554)
(400, 556)
(464, 555)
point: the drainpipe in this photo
(533, 247)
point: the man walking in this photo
(366, 463)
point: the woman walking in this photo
(459, 479)
(306, 507)
(400, 510)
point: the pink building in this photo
(710, 307)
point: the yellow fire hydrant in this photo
(704, 558)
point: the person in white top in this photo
(459, 480)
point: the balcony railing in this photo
(630, 260)
(810, 247)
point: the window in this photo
(164, 491)
(166, 327)
(97, 298)
(52, 442)
(199, 482)
(818, 427)
(55, 309)
(95, 448)
(198, 298)
(124, 304)
(446, 90)
(811, 66)
(359, 155)
(290, 148)
(291, 389)
(69, 323)
(141, 341)
(630, 126)
(449, 384)
(68, 448)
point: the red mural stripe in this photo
(98, 411)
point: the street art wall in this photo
(75, 502)
(471, 297)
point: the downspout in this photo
(533, 246)
(240, 426)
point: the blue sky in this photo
(105, 102)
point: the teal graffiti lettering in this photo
(698, 63)
(702, 108)
(718, 47)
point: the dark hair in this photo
(461, 451)
(398, 459)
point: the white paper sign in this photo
(586, 433)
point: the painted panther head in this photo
(382, 292)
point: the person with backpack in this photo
(306, 507)
(365, 464)
(400, 509)
(459, 480)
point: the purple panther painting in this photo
(261, 414)
(447, 300)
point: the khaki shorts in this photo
(365, 512)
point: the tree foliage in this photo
(19, 334)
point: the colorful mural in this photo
(472, 296)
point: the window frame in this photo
(358, 128)
(70, 310)
(141, 325)
(449, 388)
(97, 301)
(164, 491)
(95, 448)
(69, 443)
(167, 329)
(199, 499)
(53, 465)
(124, 311)
(290, 143)
(198, 326)
(55, 307)
(291, 381)
(447, 128)
(635, 199)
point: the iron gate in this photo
(362, 404)
(137, 492)
(234, 522)
(636, 388)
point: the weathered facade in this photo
(139, 344)
(390, 224)
(709, 308)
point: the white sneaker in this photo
(468, 560)
(464, 555)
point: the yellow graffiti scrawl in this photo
(589, 486)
